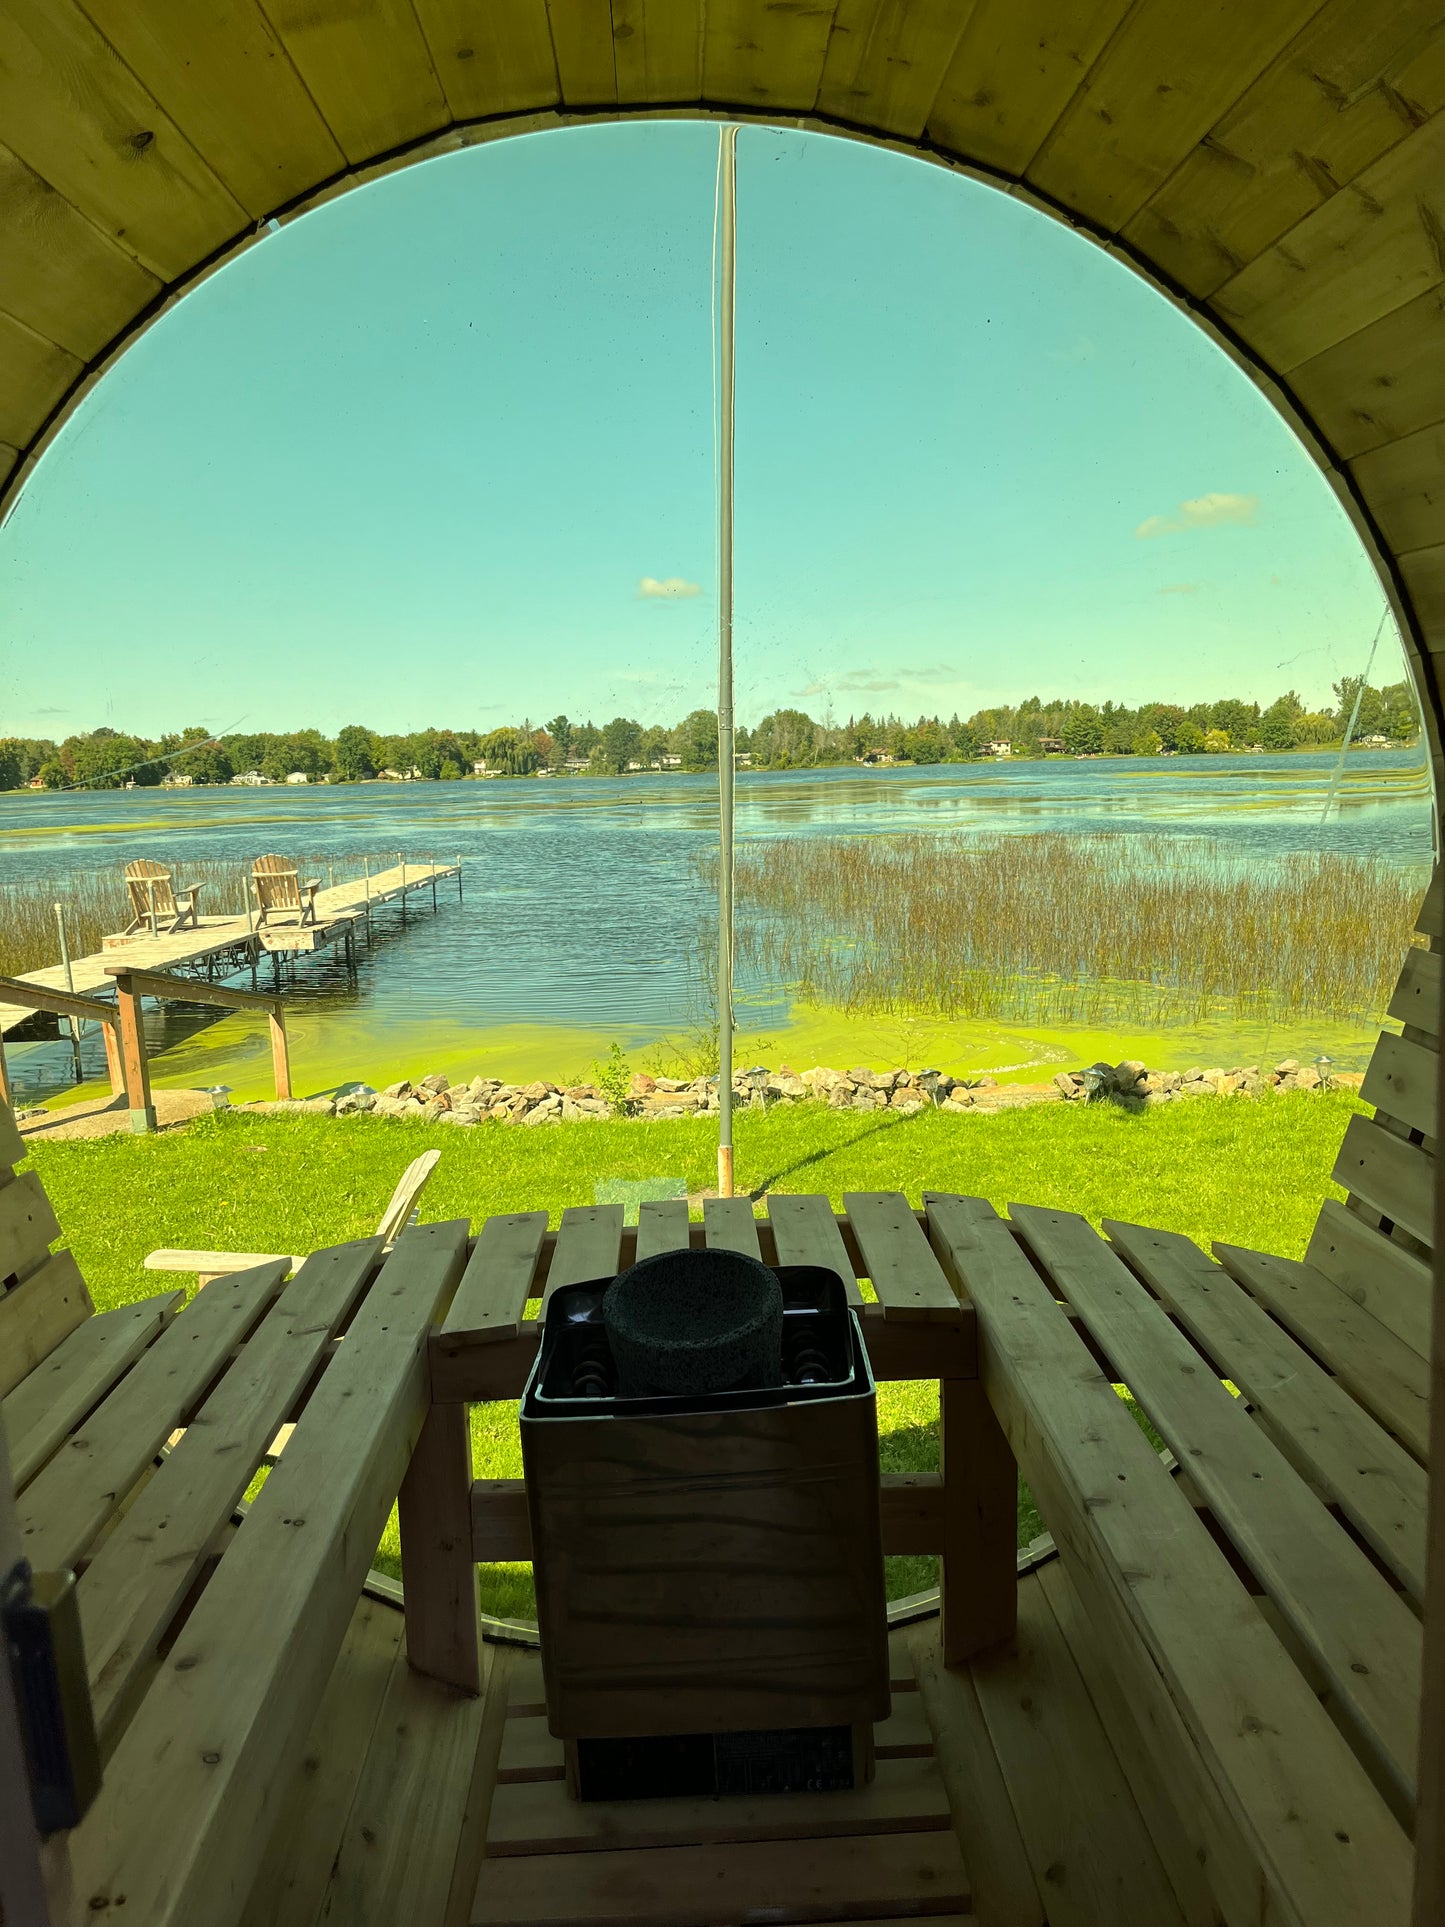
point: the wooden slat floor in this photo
(999, 1798)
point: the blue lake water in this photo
(583, 899)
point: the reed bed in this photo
(1056, 929)
(96, 904)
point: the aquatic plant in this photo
(1059, 929)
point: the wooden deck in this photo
(1005, 1795)
(339, 910)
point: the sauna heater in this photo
(708, 1564)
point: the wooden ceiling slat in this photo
(1358, 80)
(58, 273)
(1404, 485)
(367, 67)
(582, 39)
(74, 111)
(1385, 381)
(886, 61)
(657, 48)
(491, 56)
(222, 74)
(1424, 575)
(1364, 253)
(1169, 73)
(1017, 66)
(34, 374)
(760, 55)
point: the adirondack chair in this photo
(154, 900)
(278, 886)
(219, 1264)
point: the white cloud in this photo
(1204, 512)
(672, 588)
(878, 681)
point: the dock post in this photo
(280, 1058)
(134, 1066)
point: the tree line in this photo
(786, 739)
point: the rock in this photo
(1287, 1068)
(786, 1085)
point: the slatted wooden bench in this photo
(208, 1647)
(1255, 1608)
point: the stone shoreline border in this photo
(1130, 1085)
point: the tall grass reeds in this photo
(1058, 929)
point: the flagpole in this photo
(727, 196)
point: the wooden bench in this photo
(198, 1745)
(1229, 1597)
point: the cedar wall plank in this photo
(886, 62)
(368, 69)
(34, 376)
(77, 115)
(762, 55)
(493, 59)
(58, 273)
(1383, 381)
(1362, 255)
(1348, 88)
(1017, 66)
(1154, 92)
(582, 41)
(1404, 487)
(224, 77)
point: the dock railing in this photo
(63, 1003)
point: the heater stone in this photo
(690, 1322)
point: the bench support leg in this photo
(439, 1576)
(979, 1567)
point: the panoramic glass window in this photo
(364, 631)
(1048, 636)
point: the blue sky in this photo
(427, 454)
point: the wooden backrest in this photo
(278, 884)
(42, 1294)
(149, 885)
(1377, 1245)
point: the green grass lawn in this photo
(1252, 1172)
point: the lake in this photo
(583, 902)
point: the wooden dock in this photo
(231, 943)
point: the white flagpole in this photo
(727, 194)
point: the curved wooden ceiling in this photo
(1280, 164)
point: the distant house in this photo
(999, 749)
(298, 776)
